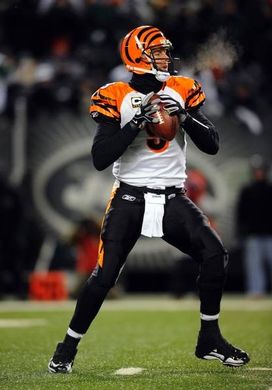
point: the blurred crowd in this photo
(56, 53)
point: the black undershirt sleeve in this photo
(110, 142)
(201, 131)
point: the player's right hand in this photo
(145, 112)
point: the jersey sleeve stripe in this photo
(103, 97)
(101, 103)
(104, 111)
(106, 101)
(195, 92)
(195, 98)
(197, 101)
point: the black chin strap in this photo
(145, 83)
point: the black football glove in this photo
(173, 107)
(145, 112)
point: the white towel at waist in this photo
(153, 215)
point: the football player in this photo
(148, 195)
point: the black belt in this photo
(166, 191)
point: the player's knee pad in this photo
(213, 271)
(95, 289)
(207, 245)
(100, 280)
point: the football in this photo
(167, 126)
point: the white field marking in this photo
(260, 368)
(21, 323)
(129, 371)
(148, 302)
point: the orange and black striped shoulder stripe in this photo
(189, 89)
(195, 95)
(104, 102)
(107, 100)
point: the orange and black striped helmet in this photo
(136, 48)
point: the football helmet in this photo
(137, 51)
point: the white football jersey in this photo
(148, 160)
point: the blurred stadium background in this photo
(53, 55)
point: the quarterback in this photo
(148, 195)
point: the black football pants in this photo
(184, 226)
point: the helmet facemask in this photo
(158, 62)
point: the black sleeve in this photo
(110, 142)
(201, 131)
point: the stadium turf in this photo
(157, 335)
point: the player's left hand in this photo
(173, 107)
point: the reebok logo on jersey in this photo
(130, 198)
(136, 101)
